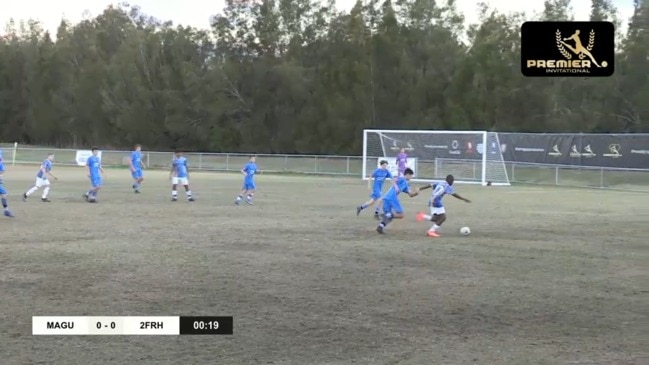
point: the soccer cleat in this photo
(191, 199)
(8, 214)
(432, 234)
(45, 200)
(136, 191)
(24, 197)
(358, 210)
(377, 215)
(420, 216)
(174, 199)
(379, 229)
(85, 196)
(249, 202)
(236, 202)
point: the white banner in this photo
(82, 156)
(411, 163)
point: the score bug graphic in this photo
(178, 325)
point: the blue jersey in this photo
(2, 168)
(401, 187)
(180, 166)
(94, 165)
(380, 175)
(439, 190)
(47, 166)
(136, 160)
(250, 169)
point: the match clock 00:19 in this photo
(206, 325)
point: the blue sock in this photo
(4, 203)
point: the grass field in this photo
(548, 276)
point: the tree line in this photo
(299, 76)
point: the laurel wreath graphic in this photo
(591, 43)
(562, 50)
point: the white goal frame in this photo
(484, 181)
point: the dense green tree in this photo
(299, 76)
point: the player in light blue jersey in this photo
(179, 174)
(136, 165)
(42, 180)
(379, 176)
(95, 172)
(391, 205)
(249, 171)
(3, 191)
(437, 210)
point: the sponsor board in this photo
(614, 151)
(527, 149)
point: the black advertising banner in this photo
(629, 151)
(428, 147)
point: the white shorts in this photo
(42, 182)
(179, 181)
(437, 211)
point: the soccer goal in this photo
(473, 157)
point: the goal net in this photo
(471, 156)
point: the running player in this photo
(179, 175)
(42, 180)
(391, 205)
(3, 192)
(437, 211)
(249, 187)
(94, 173)
(136, 168)
(379, 176)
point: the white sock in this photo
(174, 193)
(434, 228)
(189, 193)
(45, 192)
(427, 217)
(239, 198)
(31, 191)
(249, 197)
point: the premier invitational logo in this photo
(554, 49)
(614, 151)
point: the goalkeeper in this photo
(379, 176)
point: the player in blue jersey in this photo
(437, 210)
(42, 180)
(249, 171)
(136, 165)
(391, 205)
(179, 175)
(378, 176)
(95, 172)
(3, 191)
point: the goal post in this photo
(8, 151)
(473, 157)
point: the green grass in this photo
(548, 276)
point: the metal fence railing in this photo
(523, 173)
(301, 164)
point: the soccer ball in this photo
(465, 231)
